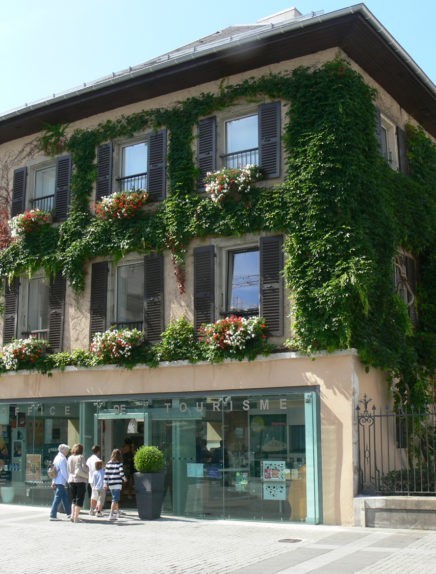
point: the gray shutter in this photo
(98, 310)
(19, 191)
(11, 311)
(402, 151)
(62, 191)
(153, 296)
(204, 285)
(206, 147)
(271, 283)
(157, 154)
(56, 301)
(269, 139)
(103, 185)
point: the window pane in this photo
(134, 159)
(37, 305)
(130, 292)
(242, 134)
(45, 182)
(244, 278)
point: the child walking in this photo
(98, 490)
(113, 479)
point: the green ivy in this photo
(343, 210)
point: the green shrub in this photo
(149, 459)
(178, 342)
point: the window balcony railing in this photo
(36, 334)
(133, 182)
(241, 158)
(128, 325)
(45, 203)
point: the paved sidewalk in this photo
(31, 544)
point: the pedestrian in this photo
(113, 480)
(78, 475)
(98, 495)
(90, 463)
(60, 482)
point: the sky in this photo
(49, 46)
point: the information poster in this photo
(33, 467)
(274, 479)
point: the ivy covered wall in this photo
(343, 209)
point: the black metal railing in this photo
(241, 158)
(133, 182)
(128, 325)
(396, 450)
(46, 203)
(36, 334)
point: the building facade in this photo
(272, 438)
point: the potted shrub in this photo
(149, 462)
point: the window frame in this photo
(31, 199)
(229, 255)
(388, 128)
(24, 329)
(119, 159)
(112, 293)
(252, 153)
(137, 262)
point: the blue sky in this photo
(50, 46)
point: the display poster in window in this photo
(273, 479)
(33, 467)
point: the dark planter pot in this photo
(149, 488)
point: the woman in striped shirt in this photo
(113, 480)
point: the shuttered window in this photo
(206, 147)
(402, 151)
(157, 165)
(153, 296)
(98, 309)
(204, 285)
(104, 171)
(62, 192)
(269, 139)
(10, 311)
(56, 313)
(19, 191)
(271, 283)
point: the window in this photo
(249, 282)
(134, 160)
(35, 307)
(243, 282)
(251, 137)
(137, 165)
(49, 188)
(44, 190)
(130, 295)
(242, 142)
(388, 141)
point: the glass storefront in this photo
(237, 456)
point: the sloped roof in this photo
(239, 49)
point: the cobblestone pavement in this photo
(31, 544)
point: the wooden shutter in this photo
(104, 170)
(157, 153)
(206, 147)
(269, 139)
(19, 191)
(271, 283)
(62, 190)
(98, 310)
(56, 311)
(153, 296)
(11, 311)
(402, 151)
(204, 285)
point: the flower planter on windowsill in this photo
(122, 205)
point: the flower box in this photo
(28, 222)
(24, 353)
(231, 182)
(121, 205)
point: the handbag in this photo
(80, 472)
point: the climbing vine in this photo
(342, 208)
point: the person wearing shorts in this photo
(98, 494)
(114, 478)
